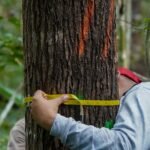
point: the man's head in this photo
(126, 79)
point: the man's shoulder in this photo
(141, 90)
(17, 136)
(140, 87)
(20, 125)
(145, 85)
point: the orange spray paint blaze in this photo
(109, 30)
(85, 26)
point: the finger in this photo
(38, 95)
(61, 99)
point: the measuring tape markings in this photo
(74, 100)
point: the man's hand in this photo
(43, 110)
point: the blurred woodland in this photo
(133, 42)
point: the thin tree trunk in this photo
(69, 47)
(124, 16)
(147, 45)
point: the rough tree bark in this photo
(69, 47)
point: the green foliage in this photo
(147, 24)
(11, 63)
(11, 50)
(7, 93)
(11, 53)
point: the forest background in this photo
(133, 42)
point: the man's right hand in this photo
(44, 111)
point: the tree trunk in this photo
(69, 47)
(124, 26)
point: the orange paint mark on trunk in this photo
(85, 26)
(109, 29)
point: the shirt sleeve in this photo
(127, 134)
(17, 136)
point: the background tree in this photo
(69, 47)
(124, 16)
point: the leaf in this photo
(146, 20)
(7, 93)
(1, 18)
(15, 21)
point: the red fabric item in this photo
(129, 74)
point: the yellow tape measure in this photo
(74, 100)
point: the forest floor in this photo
(15, 114)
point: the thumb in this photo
(39, 95)
(61, 99)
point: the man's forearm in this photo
(76, 135)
